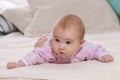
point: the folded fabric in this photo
(20, 16)
(6, 26)
(40, 16)
(97, 15)
(115, 5)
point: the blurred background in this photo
(17, 2)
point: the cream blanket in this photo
(15, 45)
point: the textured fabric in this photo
(20, 16)
(97, 15)
(6, 26)
(89, 51)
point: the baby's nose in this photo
(61, 46)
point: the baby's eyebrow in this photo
(55, 36)
(66, 39)
(69, 40)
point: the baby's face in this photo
(65, 42)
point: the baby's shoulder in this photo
(88, 44)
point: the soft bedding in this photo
(14, 45)
(105, 28)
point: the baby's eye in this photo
(68, 42)
(57, 40)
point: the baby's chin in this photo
(61, 54)
(62, 59)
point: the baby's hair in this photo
(70, 20)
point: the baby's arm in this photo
(100, 53)
(103, 55)
(20, 63)
(11, 65)
(35, 57)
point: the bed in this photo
(16, 44)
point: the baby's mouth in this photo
(62, 54)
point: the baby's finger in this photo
(102, 59)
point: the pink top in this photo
(89, 51)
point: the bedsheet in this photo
(14, 45)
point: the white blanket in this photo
(15, 45)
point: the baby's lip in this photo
(62, 54)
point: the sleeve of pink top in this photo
(97, 50)
(38, 55)
(34, 57)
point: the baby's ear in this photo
(82, 41)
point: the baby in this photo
(65, 44)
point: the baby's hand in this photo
(11, 65)
(106, 58)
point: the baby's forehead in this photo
(67, 33)
(70, 29)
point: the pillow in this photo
(115, 5)
(6, 26)
(97, 15)
(2, 33)
(35, 4)
(6, 5)
(20, 16)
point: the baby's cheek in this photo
(54, 49)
